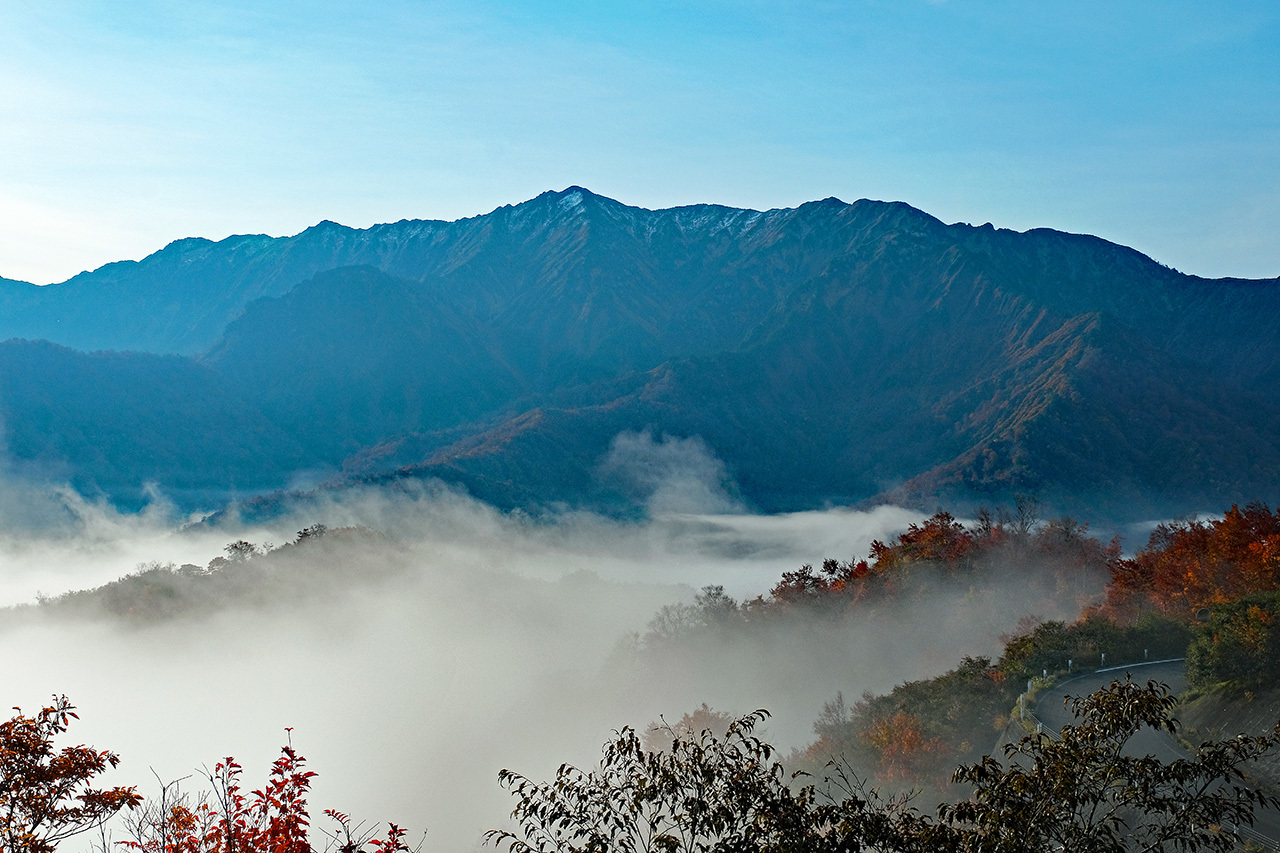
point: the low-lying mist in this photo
(415, 663)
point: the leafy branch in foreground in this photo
(1084, 793)
(1080, 794)
(702, 793)
(47, 796)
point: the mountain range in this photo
(830, 353)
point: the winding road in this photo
(1052, 712)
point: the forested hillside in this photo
(1207, 591)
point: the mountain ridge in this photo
(829, 352)
(392, 236)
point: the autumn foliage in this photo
(273, 819)
(228, 819)
(906, 753)
(914, 735)
(1190, 566)
(47, 796)
(1071, 563)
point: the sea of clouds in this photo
(480, 640)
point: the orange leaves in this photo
(939, 539)
(1197, 564)
(1264, 561)
(47, 796)
(172, 827)
(1060, 556)
(904, 751)
(282, 805)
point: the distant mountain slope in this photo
(830, 352)
(114, 422)
(1113, 424)
(353, 355)
(884, 403)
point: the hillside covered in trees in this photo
(1205, 590)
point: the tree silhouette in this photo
(1080, 794)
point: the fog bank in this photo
(472, 640)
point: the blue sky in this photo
(125, 126)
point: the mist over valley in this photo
(442, 498)
(423, 642)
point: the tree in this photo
(1199, 564)
(717, 609)
(311, 533)
(905, 752)
(1079, 794)
(1026, 513)
(660, 736)
(702, 794)
(240, 551)
(1239, 646)
(47, 796)
(940, 539)
(1083, 794)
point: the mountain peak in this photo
(573, 194)
(572, 201)
(572, 197)
(329, 225)
(185, 243)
